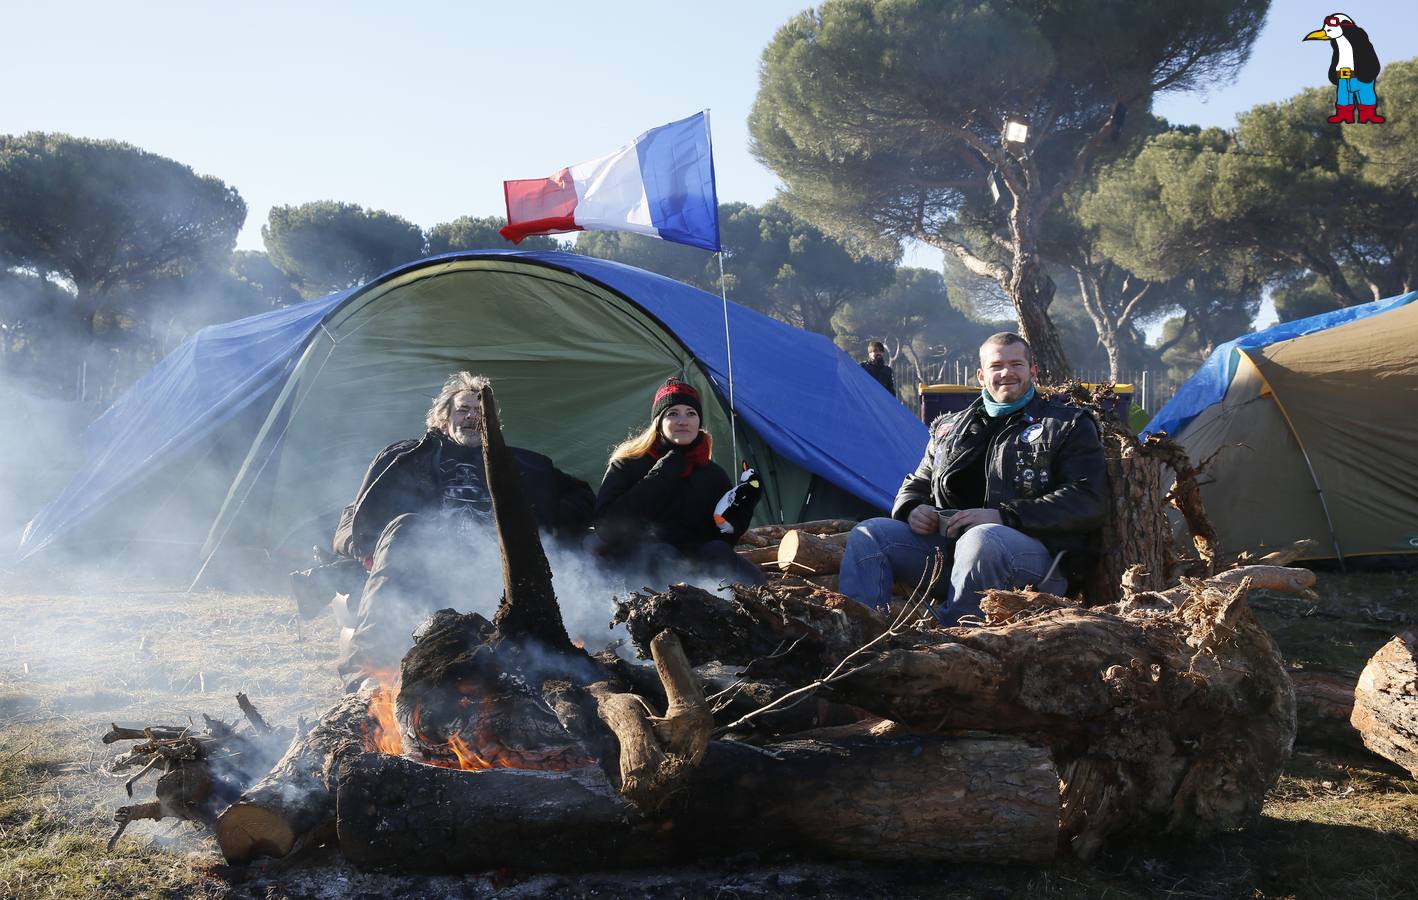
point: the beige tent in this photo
(1317, 436)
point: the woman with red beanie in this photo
(660, 492)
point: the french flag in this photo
(661, 184)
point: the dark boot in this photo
(1367, 115)
(1343, 115)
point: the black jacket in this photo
(1044, 472)
(882, 373)
(644, 500)
(403, 478)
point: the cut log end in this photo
(247, 832)
(804, 553)
(1386, 702)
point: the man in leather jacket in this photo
(421, 524)
(1011, 490)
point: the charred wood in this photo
(870, 798)
(296, 798)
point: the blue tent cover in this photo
(1210, 382)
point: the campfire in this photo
(784, 717)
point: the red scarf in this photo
(698, 452)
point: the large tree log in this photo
(297, 797)
(894, 798)
(1168, 716)
(394, 813)
(805, 553)
(1386, 702)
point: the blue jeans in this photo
(880, 551)
(1351, 89)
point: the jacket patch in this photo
(1031, 434)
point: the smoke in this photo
(39, 451)
(432, 562)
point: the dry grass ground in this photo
(75, 658)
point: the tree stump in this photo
(1137, 533)
(1386, 702)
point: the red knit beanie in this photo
(672, 393)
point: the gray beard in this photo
(465, 438)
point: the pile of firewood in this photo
(202, 770)
(788, 717)
(812, 550)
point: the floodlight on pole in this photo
(1016, 130)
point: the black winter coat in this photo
(644, 500)
(403, 478)
(882, 373)
(1044, 472)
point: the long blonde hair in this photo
(640, 442)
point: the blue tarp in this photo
(1210, 382)
(810, 402)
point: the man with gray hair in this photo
(422, 506)
(1011, 491)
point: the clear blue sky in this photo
(425, 109)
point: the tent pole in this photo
(729, 352)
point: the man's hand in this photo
(924, 520)
(969, 518)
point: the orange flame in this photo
(385, 738)
(467, 759)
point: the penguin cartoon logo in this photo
(1353, 68)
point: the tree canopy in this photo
(1285, 198)
(107, 217)
(327, 246)
(479, 233)
(884, 118)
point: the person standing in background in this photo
(877, 368)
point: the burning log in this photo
(1386, 702)
(892, 798)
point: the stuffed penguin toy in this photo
(734, 510)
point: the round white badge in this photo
(1031, 434)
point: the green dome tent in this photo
(255, 434)
(1311, 431)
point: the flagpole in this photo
(729, 352)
